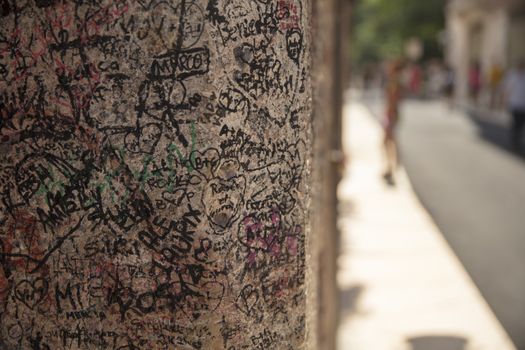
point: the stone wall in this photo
(155, 173)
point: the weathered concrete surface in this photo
(153, 183)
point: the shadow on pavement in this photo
(495, 131)
(438, 343)
(348, 300)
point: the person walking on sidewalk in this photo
(475, 81)
(495, 78)
(515, 93)
(393, 98)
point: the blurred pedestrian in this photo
(495, 80)
(435, 79)
(393, 97)
(515, 94)
(368, 76)
(449, 84)
(415, 80)
(475, 81)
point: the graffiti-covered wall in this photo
(154, 173)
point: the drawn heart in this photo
(247, 299)
(205, 162)
(215, 293)
(31, 293)
(222, 199)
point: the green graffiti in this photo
(53, 185)
(144, 174)
(189, 162)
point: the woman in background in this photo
(475, 81)
(393, 98)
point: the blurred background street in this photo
(433, 249)
(474, 190)
(460, 166)
(402, 286)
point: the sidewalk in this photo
(401, 286)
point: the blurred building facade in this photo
(485, 32)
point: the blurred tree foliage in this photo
(382, 27)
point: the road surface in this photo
(474, 188)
